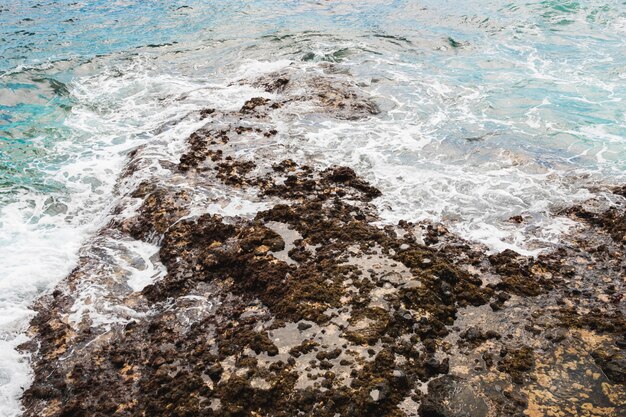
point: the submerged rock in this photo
(309, 307)
(449, 396)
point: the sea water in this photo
(490, 109)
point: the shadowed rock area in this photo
(310, 307)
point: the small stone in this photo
(472, 334)
(375, 394)
(333, 354)
(304, 326)
(327, 383)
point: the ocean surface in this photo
(491, 109)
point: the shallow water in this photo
(490, 109)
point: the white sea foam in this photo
(448, 147)
(144, 266)
(35, 253)
(448, 165)
(118, 109)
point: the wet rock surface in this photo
(309, 307)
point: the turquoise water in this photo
(491, 109)
(41, 46)
(568, 54)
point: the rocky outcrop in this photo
(309, 307)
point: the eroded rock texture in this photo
(309, 307)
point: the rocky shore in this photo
(311, 308)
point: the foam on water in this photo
(40, 235)
(37, 248)
(490, 110)
(145, 268)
